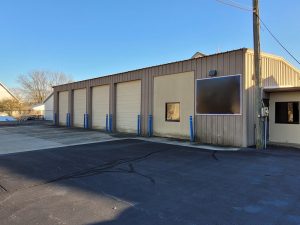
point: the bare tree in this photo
(37, 85)
(10, 106)
(18, 93)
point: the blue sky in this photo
(90, 38)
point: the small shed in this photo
(48, 107)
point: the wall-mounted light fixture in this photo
(212, 73)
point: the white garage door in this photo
(79, 107)
(63, 106)
(128, 106)
(100, 106)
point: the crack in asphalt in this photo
(108, 167)
(3, 188)
(103, 168)
(214, 155)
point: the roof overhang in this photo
(281, 89)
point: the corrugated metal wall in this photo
(220, 130)
(276, 72)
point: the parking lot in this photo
(44, 136)
(139, 182)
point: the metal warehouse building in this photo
(216, 90)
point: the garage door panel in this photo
(100, 106)
(63, 107)
(79, 107)
(128, 106)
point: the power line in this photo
(245, 8)
(235, 4)
(276, 39)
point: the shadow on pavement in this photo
(138, 182)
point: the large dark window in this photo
(219, 95)
(287, 112)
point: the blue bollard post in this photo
(54, 118)
(69, 120)
(106, 123)
(84, 117)
(192, 137)
(110, 123)
(149, 125)
(86, 121)
(138, 125)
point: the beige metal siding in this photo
(283, 133)
(276, 72)
(220, 129)
(63, 98)
(79, 107)
(128, 106)
(100, 106)
(173, 88)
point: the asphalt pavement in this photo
(138, 182)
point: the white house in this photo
(48, 107)
(39, 108)
(5, 93)
(45, 109)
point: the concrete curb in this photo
(186, 144)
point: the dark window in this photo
(173, 111)
(220, 95)
(287, 112)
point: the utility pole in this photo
(257, 65)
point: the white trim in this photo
(216, 114)
(277, 87)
